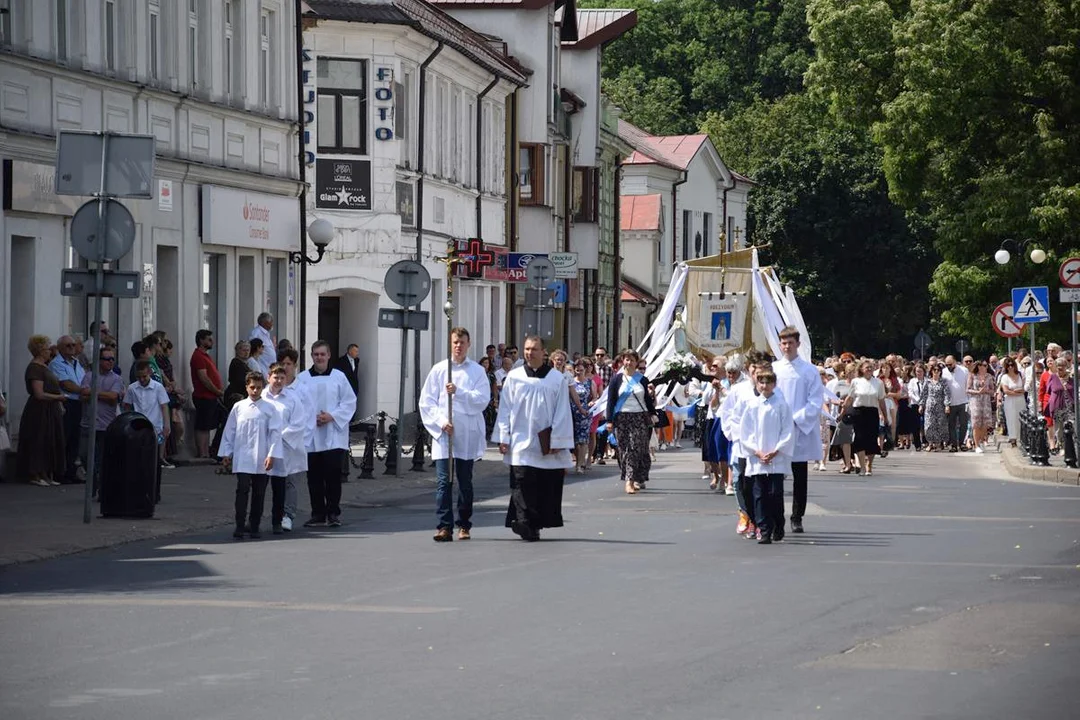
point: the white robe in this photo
(472, 395)
(800, 384)
(294, 424)
(528, 405)
(332, 394)
(767, 425)
(731, 411)
(252, 434)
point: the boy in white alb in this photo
(148, 397)
(294, 423)
(766, 433)
(250, 447)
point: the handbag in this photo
(661, 419)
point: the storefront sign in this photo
(384, 103)
(33, 189)
(566, 264)
(239, 218)
(343, 184)
(309, 105)
(164, 195)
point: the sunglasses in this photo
(108, 359)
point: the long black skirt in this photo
(535, 497)
(866, 430)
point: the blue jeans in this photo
(443, 493)
(745, 495)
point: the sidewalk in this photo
(38, 523)
(1019, 466)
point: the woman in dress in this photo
(887, 375)
(582, 388)
(1011, 397)
(845, 431)
(906, 418)
(936, 401)
(867, 403)
(1059, 400)
(631, 411)
(827, 424)
(980, 391)
(41, 458)
(492, 409)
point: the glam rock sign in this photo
(342, 184)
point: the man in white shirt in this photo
(334, 403)
(149, 398)
(465, 384)
(262, 330)
(536, 434)
(288, 359)
(799, 383)
(70, 373)
(957, 378)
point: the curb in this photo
(1017, 466)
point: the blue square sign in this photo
(1031, 305)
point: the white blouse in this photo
(867, 393)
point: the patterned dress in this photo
(934, 403)
(982, 412)
(582, 421)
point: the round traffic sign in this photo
(540, 271)
(1002, 321)
(119, 237)
(407, 283)
(1069, 273)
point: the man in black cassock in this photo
(535, 431)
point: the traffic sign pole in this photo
(95, 375)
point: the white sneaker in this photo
(979, 450)
(286, 523)
(40, 482)
(729, 490)
(706, 477)
(167, 465)
(678, 445)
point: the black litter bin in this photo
(129, 467)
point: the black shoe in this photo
(764, 540)
(334, 521)
(524, 531)
(315, 522)
(254, 534)
(796, 525)
(278, 530)
(777, 535)
(238, 533)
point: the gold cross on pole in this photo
(450, 260)
(737, 232)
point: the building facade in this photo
(214, 84)
(408, 151)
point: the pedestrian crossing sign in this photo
(1031, 304)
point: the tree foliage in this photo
(976, 107)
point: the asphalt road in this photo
(935, 589)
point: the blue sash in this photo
(627, 390)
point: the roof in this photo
(645, 150)
(569, 31)
(427, 19)
(632, 291)
(742, 178)
(677, 150)
(597, 28)
(640, 212)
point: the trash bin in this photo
(130, 470)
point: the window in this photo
(5, 25)
(531, 174)
(342, 106)
(61, 26)
(706, 232)
(229, 47)
(498, 177)
(730, 241)
(584, 194)
(193, 42)
(267, 96)
(439, 168)
(469, 142)
(455, 136)
(110, 36)
(154, 41)
(687, 224)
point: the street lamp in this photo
(321, 233)
(1002, 256)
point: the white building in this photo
(214, 83)
(704, 201)
(541, 166)
(408, 148)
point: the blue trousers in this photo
(463, 470)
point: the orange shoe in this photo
(744, 522)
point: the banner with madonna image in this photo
(721, 322)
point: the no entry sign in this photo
(1002, 321)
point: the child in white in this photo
(250, 445)
(766, 434)
(294, 425)
(148, 397)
